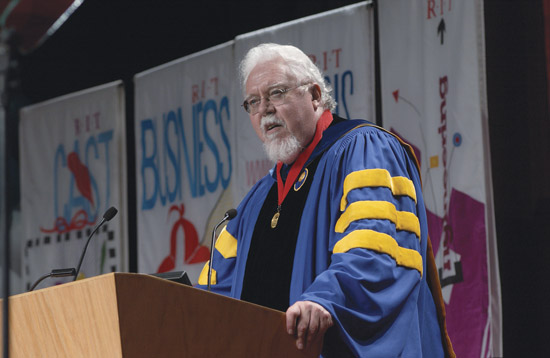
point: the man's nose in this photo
(266, 107)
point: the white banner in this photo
(341, 43)
(73, 168)
(433, 96)
(185, 158)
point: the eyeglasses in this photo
(276, 96)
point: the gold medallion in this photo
(275, 220)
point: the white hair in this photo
(297, 62)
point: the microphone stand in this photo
(226, 216)
(109, 214)
(229, 214)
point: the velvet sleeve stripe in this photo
(226, 245)
(383, 210)
(377, 178)
(203, 277)
(381, 243)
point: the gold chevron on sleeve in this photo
(383, 210)
(381, 243)
(203, 277)
(226, 244)
(376, 178)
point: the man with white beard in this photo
(336, 234)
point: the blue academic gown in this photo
(361, 246)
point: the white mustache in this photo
(269, 121)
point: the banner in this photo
(341, 43)
(73, 168)
(434, 97)
(185, 161)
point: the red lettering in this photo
(443, 86)
(96, 116)
(431, 9)
(206, 87)
(443, 89)
(337, 53)
(328, 58)
(442, 1)
(194, 93)
(214, 81)
(76, 126)
(445, 176)
(446, 249)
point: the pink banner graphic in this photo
(459, 244)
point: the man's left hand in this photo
(308, 321)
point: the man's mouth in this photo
(271, 124)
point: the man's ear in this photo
(315, 91)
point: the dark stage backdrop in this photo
(520, 136)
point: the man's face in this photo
(295, 117)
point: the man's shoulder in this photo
(345, 128)
(340, 127)
(360, 127)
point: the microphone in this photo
(229, 214)
(109, 214)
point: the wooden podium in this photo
(136, 315)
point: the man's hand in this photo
(308, 321)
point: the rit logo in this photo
(437, 8)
